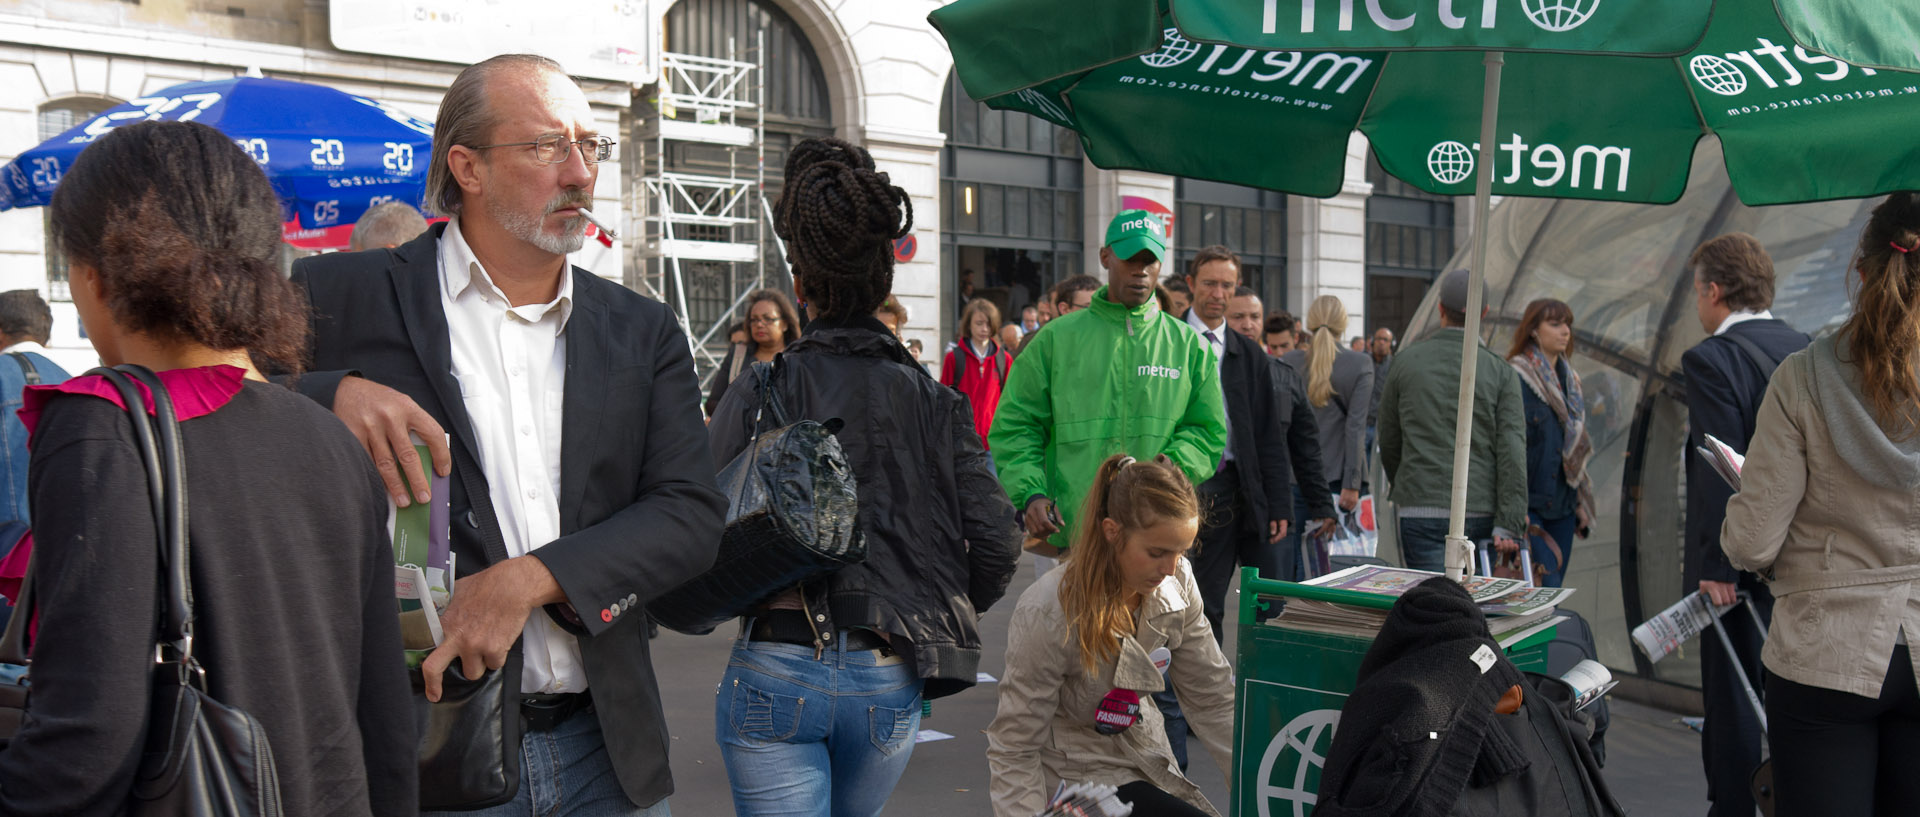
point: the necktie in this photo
(1210, 338)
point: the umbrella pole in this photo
(1459, 549)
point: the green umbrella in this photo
(1597, 100)
(1880, 33)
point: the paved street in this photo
(1653, 761)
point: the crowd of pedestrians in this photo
(1148, 433)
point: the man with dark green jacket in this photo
(1116, 377)
(1416, 432)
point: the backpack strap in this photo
(26, 367)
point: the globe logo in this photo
(1305, 741)
(1559, 15)
(1174, 50)
(1450, 162)
(1717, 75)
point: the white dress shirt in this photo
(1216, 339)
(511, 363)
(1742, 316)
(24, 347)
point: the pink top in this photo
(196, 393)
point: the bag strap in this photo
(767, 378)
(26, 367)
(167, 475)
(13, 644)
(1760, 358)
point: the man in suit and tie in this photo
(1726, 377)
(582, 486)
(1249, 499)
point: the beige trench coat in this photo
(1044, 731)
(1840, 550)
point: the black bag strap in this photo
(1760, 357)
(767, 379)
(26, 367)
(158, 439)
(13, 644)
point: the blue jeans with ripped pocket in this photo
(814, 737)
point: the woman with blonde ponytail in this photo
(1827, 513)
(1091, 641)
(1340, 388)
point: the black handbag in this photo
(470, 738)
(792, 517)
(202, 757)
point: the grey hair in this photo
(467, 117)
(389, 224)
(25, 315)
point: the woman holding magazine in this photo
(1826, 513)
(1090, 642)
(173, 236)
(1559, 492)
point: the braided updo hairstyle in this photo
(839, 217)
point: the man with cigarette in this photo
(566, 410)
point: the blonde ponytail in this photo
(1327, 318)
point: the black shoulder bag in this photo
(791, 517)
(202, 757)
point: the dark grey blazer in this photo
(1343, 420)
(639, 513)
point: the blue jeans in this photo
(1423, 542)
(820, 737)
(564, 772)
(1562, 532)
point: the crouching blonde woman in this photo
(1088, 644)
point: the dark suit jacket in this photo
(1724, 389)
(1256, 438)
(639, 513)
(1302, 431)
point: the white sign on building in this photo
(600, 39)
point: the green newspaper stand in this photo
(1291, 686)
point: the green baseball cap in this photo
(1131, 231)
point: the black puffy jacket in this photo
(941, 541)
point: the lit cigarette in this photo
(596, 222)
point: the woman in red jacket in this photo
(976, 366)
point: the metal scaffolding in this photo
(717, 223)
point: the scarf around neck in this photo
(1568, 404)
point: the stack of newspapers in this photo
(1514, 609)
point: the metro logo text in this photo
(1542, 165)
(1151, 370)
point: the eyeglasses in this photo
(554, 149)
(766, 319)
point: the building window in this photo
(1409, 239)
(1011, 187)
(54, 119)
(1247, 220)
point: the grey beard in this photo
(527, 228)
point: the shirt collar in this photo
(25, 346)
(460, 270)
(1742, 316)
(1194, 320)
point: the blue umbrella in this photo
(330, 154)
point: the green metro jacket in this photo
(1102, 381)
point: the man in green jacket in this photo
(1116, 377)
(1417, 415)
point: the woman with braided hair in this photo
(820, 703)
(1826, 513)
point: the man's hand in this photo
(1721, 594)
(486, 615)
(1349, 498)
(1505, 544)
(381, 418)
(1040, 518)
(1276, 531)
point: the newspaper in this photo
(1496, 597)
(1524, 601)
(1589, 679)
(1725, 461)
(1676, 625)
